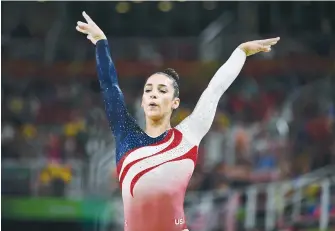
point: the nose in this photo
(153, 96)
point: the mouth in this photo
(153, 104)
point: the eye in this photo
(147, 90)
(163, 91)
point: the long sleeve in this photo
(118, 117)
(196, 125)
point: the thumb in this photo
(266, 48)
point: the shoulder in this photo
(187, 133)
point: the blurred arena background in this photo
(268, 161)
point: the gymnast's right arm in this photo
(115, 107)
(117, 114)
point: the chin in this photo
(154, 116)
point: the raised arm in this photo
(196, 125)
(118, 117)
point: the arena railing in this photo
(276, 201)
(277, 191)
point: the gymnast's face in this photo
(158, 99)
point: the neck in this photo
(155, 128)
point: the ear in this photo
(175, 103)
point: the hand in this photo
(256, 46)
(94, 33)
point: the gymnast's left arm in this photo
(196, 125)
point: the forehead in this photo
(159, 79)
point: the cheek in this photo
(144, 98)
(143, 101)
(167, 102)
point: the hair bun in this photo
(172, 73)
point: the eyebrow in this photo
(159, 85)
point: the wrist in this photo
(100, 37)
(242, 48)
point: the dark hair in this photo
(173, 75)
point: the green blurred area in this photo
(54, 209)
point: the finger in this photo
(267, 42)
(82, 25)
(262, 48)
(87, 18)
(81, 30)
(271, 41)
(266, 48)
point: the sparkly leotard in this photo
(154, 172)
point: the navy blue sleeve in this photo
(120, 121)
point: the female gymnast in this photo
(154, 166)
